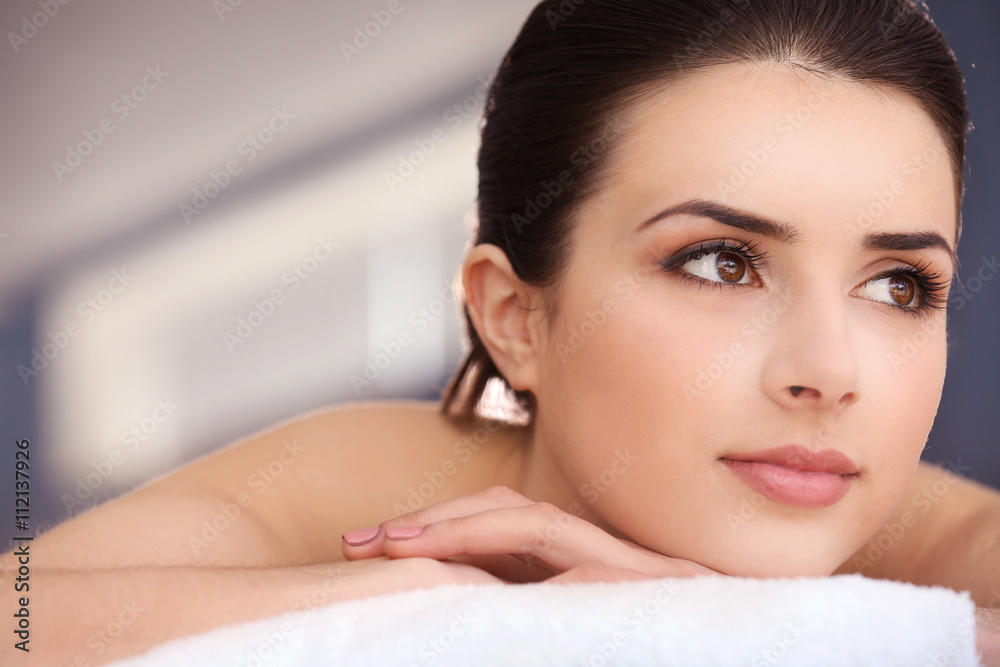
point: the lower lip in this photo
(794, 487)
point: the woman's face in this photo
(705, 366)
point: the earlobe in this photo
(501, 308)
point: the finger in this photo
(598, 572)
(540, 535)
(505, 567)
(367, 543)
(491, 498)
(362, 543)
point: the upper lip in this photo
(801, 458)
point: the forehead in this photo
(788, 143)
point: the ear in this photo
(504, 312)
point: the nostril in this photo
(850, 398)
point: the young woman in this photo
(693, 291)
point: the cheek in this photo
(903, 379)
(638, 388)
(616, 390)
(613, 361)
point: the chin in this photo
(776, 556)
(767, 568)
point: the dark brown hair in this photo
(549, 120)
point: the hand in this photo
(511, 537)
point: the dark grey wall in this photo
(968, 423)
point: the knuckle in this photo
(549, 512)
(414, 518)
(503, 495)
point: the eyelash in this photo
(755, 258)
(931, 285)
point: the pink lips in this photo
(796, 475)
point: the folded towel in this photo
(842, 620)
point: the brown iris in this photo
(902, 290)
(731, 267)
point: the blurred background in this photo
(218, 214)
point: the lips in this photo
(796, 475)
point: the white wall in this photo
(313, 202)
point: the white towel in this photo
(843, 620)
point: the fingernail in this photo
(403, 532)
(361, 537)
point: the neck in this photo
(542, 479)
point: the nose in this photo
(812, 363)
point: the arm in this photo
(242, 534)
(92, 617)
(282, 497)
(945, 531)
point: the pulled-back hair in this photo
(549, 120)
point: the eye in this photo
(914, 290)
(722, 265)
(719, 263)
(896, 290)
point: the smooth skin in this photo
(621, 475)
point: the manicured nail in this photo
(361, 537)
(403, 532)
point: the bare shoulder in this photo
(285, 495)
(315, 476)
(937, 503)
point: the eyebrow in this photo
(727, 215)
(762, 226)
(915, 241)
